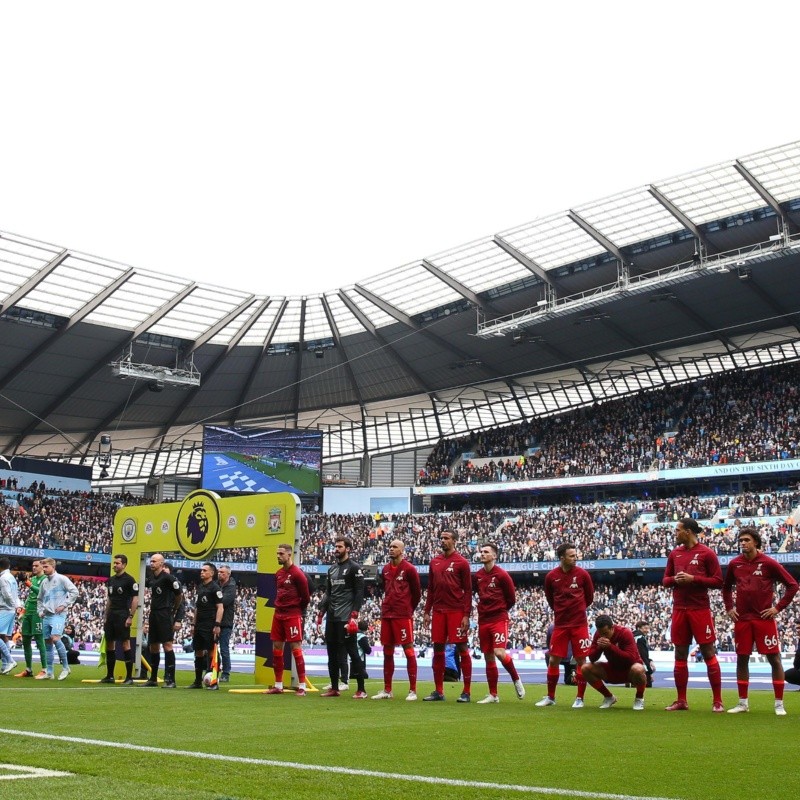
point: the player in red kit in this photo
(755, 576)
(450, 601)
(401, 594)
(623, 663)
(291, 602)
(693, 569)
(496, 596)
(569, 591)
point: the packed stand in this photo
(732, 418)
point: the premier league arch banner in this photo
(203, 523)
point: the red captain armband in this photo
(319, 619)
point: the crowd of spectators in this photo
(733, 418)
(636, 529)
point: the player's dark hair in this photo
(691, 525)
(492, 545)
(5, 563)
(122, 558)
(641, 623)
(454, 534)
(603, 621)
(563, 547)
(753, 534)
(288, 547)
(348, 542)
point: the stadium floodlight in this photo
(158, 377)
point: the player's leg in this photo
(27, 649)
(458, 634)
(127, 653)
(357, 669)
(681, 636)
(637, 677)
(334, 633)
(169, 664)
(580, 641)
(200, 665)
(300, 664)
(492, 673)
(225, 653)
(279, 637)
(411, 668)
(595, 675)
(389, 642)
(705, 636)
(438, 637)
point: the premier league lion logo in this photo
(197, 523)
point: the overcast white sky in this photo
(291, 148)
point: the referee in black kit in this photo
(166, 594)
(123, 600)
(207, 619)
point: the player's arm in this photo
(727, 592)
(713, 578)
(626, 648)
(466, 585)
(782, 576)
(71, 591)
(588, 589)
(357, 587)
(594, 650)
(429, 596)
(134, 601)
(548, 590)
(509, 592)
(669, 573)
(303, 593)
(415, 589)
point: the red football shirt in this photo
(701, 562)
(449, 584)
(623, 652)
(401, 591)
(496, 594)
(755, 586)
(569, 594)
(293, 595)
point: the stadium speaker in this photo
(156, 386)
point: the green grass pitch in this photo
(521, 750)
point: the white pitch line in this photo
(21, 773)
(364, 773)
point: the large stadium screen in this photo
(262, 460)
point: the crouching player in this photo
(623, 663)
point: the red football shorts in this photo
(446, 627)
(688, 623)
(763, 633)
(397, 632)
(614, 674)
(577, 635)
(289, 629)
(492, 635)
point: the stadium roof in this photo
(661, 283)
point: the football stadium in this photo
(608, 394)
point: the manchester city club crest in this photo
(197, 527)
(129, 531)
(275, 520)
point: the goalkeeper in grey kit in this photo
(344, 594)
